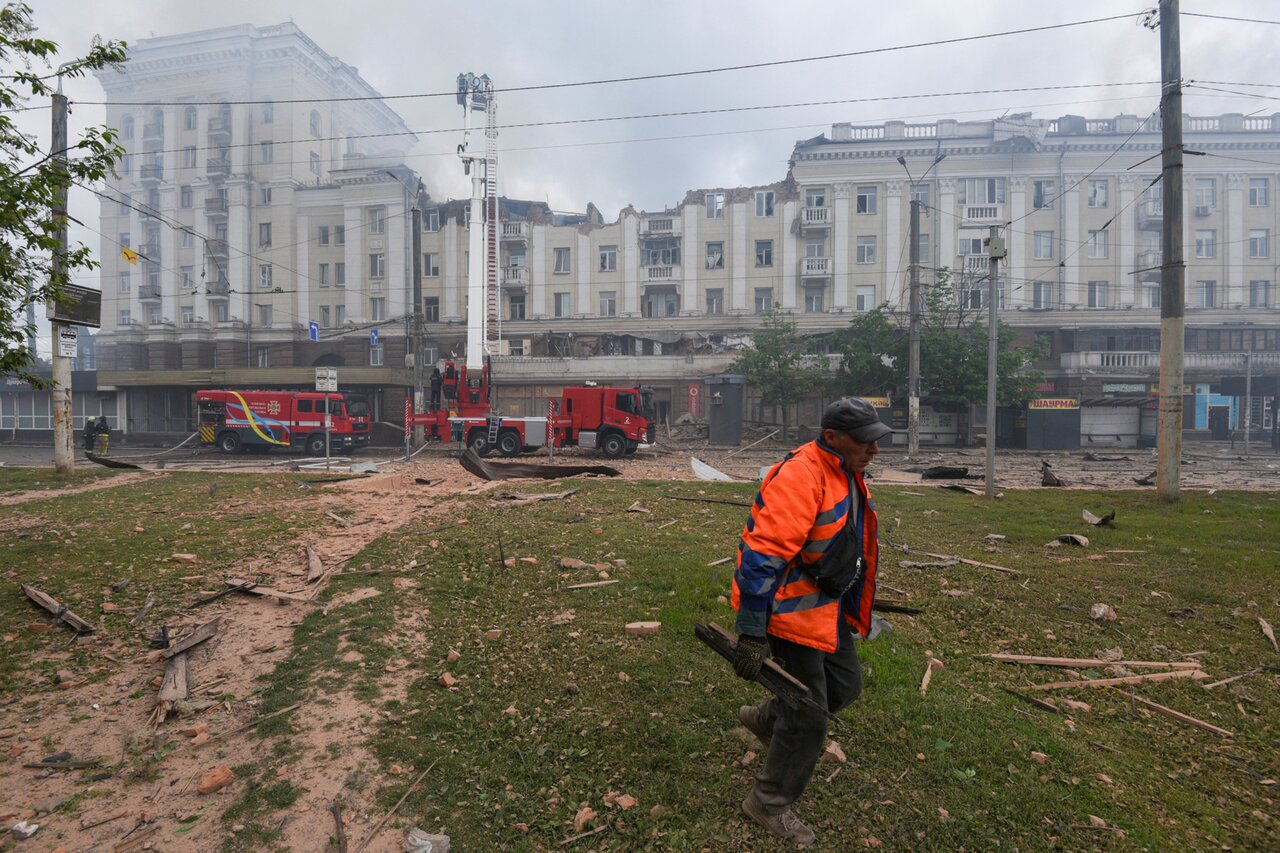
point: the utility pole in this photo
(1172, 274)
(417, 313)
(995, 251)
(63, 452)
(913, 381)
(1248, 393)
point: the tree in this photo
(776, 366)
(31, 180)
(873, 355)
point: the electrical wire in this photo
(1227, 18)
(645, 77)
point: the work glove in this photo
(749, 656)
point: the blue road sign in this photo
(313, 330)
(373, 337)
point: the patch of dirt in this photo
(93, 486)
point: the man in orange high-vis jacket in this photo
(804, 584)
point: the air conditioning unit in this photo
(1202, 210)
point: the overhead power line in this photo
(644, 77)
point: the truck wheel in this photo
(315, 444)
(509, 442)
(478, 441)
(229, 442)
(613, 445)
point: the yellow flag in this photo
(129, 254)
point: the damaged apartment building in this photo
(256, 217)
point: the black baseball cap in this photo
(857, 417)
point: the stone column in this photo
(737, 251)
(947, 226)
(630, 261)
(1072, 238)
(582, 299)
(536, 307)
(897, 264)
(1126, 285)
(1236, 241)
(1016, 288)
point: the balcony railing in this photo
(218, 166)
(1148, 266)
(663, 226)
(815, 266)
(515, 231)
(815, 216)
(149, 292)
(515, 277)
(150, 250)
(667, 272)
(982, 212)
(1149, 362)
(153, 132)
(976, 263)
(151, 172)
(219, 126)
(215, 205)
(1150, 210)
(216, 248)
(219, 288)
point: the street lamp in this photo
(913, 381)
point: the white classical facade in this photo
(261, 202)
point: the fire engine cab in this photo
(235, 421)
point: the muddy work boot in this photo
(750, 717)
(784, 824)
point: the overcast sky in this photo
(413, 47)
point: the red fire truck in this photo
(615, 420)
(235, 421)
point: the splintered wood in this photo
(1082, 663)
(48, 602)
(1128, 679)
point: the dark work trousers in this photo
(835, 680)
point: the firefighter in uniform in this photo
(804, 586)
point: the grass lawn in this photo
(14, 480)
(564, 710)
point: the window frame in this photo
(865, 252)
(764, 253)
(565, 254)
(865, 200)
(715, 204)
(764, 204)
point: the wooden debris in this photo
(339, 832)
(1048, 478)
(146, 608)
(1031, 700)
(244, 587)
(109, 463)
(126, 844)
(932, 664)
(49, 603)
(262, 719)
(1082, 663)
(341, 521)
(894, 607)
(199, 635)
(707, 500)
(378, 826)
(525, 497)
(940, 564)
(783, 685)
(751, 445)
(637, 507)
(1197, 674)
(1098, 521)
(720, 562)
(1268, 633)
(967, 562)
(1181, 717)
(100, 821)
(1231, 679)
(637, 629)
(956, 487)
(1073, 539)
(592, 584)
(315, 568)
(63, 765)
(269, 592)
(1149, 480)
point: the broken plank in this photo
(146, 608)
(174, 684)
(895, 607)
(1128, 679)
(244, 587)
(199, 635)
(51, 604)
(1081, 663)
(707, 500)
(720, 562)
(592, 584)
(342, 521)
(1231, 679)
(1031, 700)
(314, 567)
(544, 496)
(1181, 717)
(270, 592)
(969, 562)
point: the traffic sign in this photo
(326, 379)
(313, 330)
(67, 338)
(373, 337)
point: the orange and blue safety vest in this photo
(807, 502)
